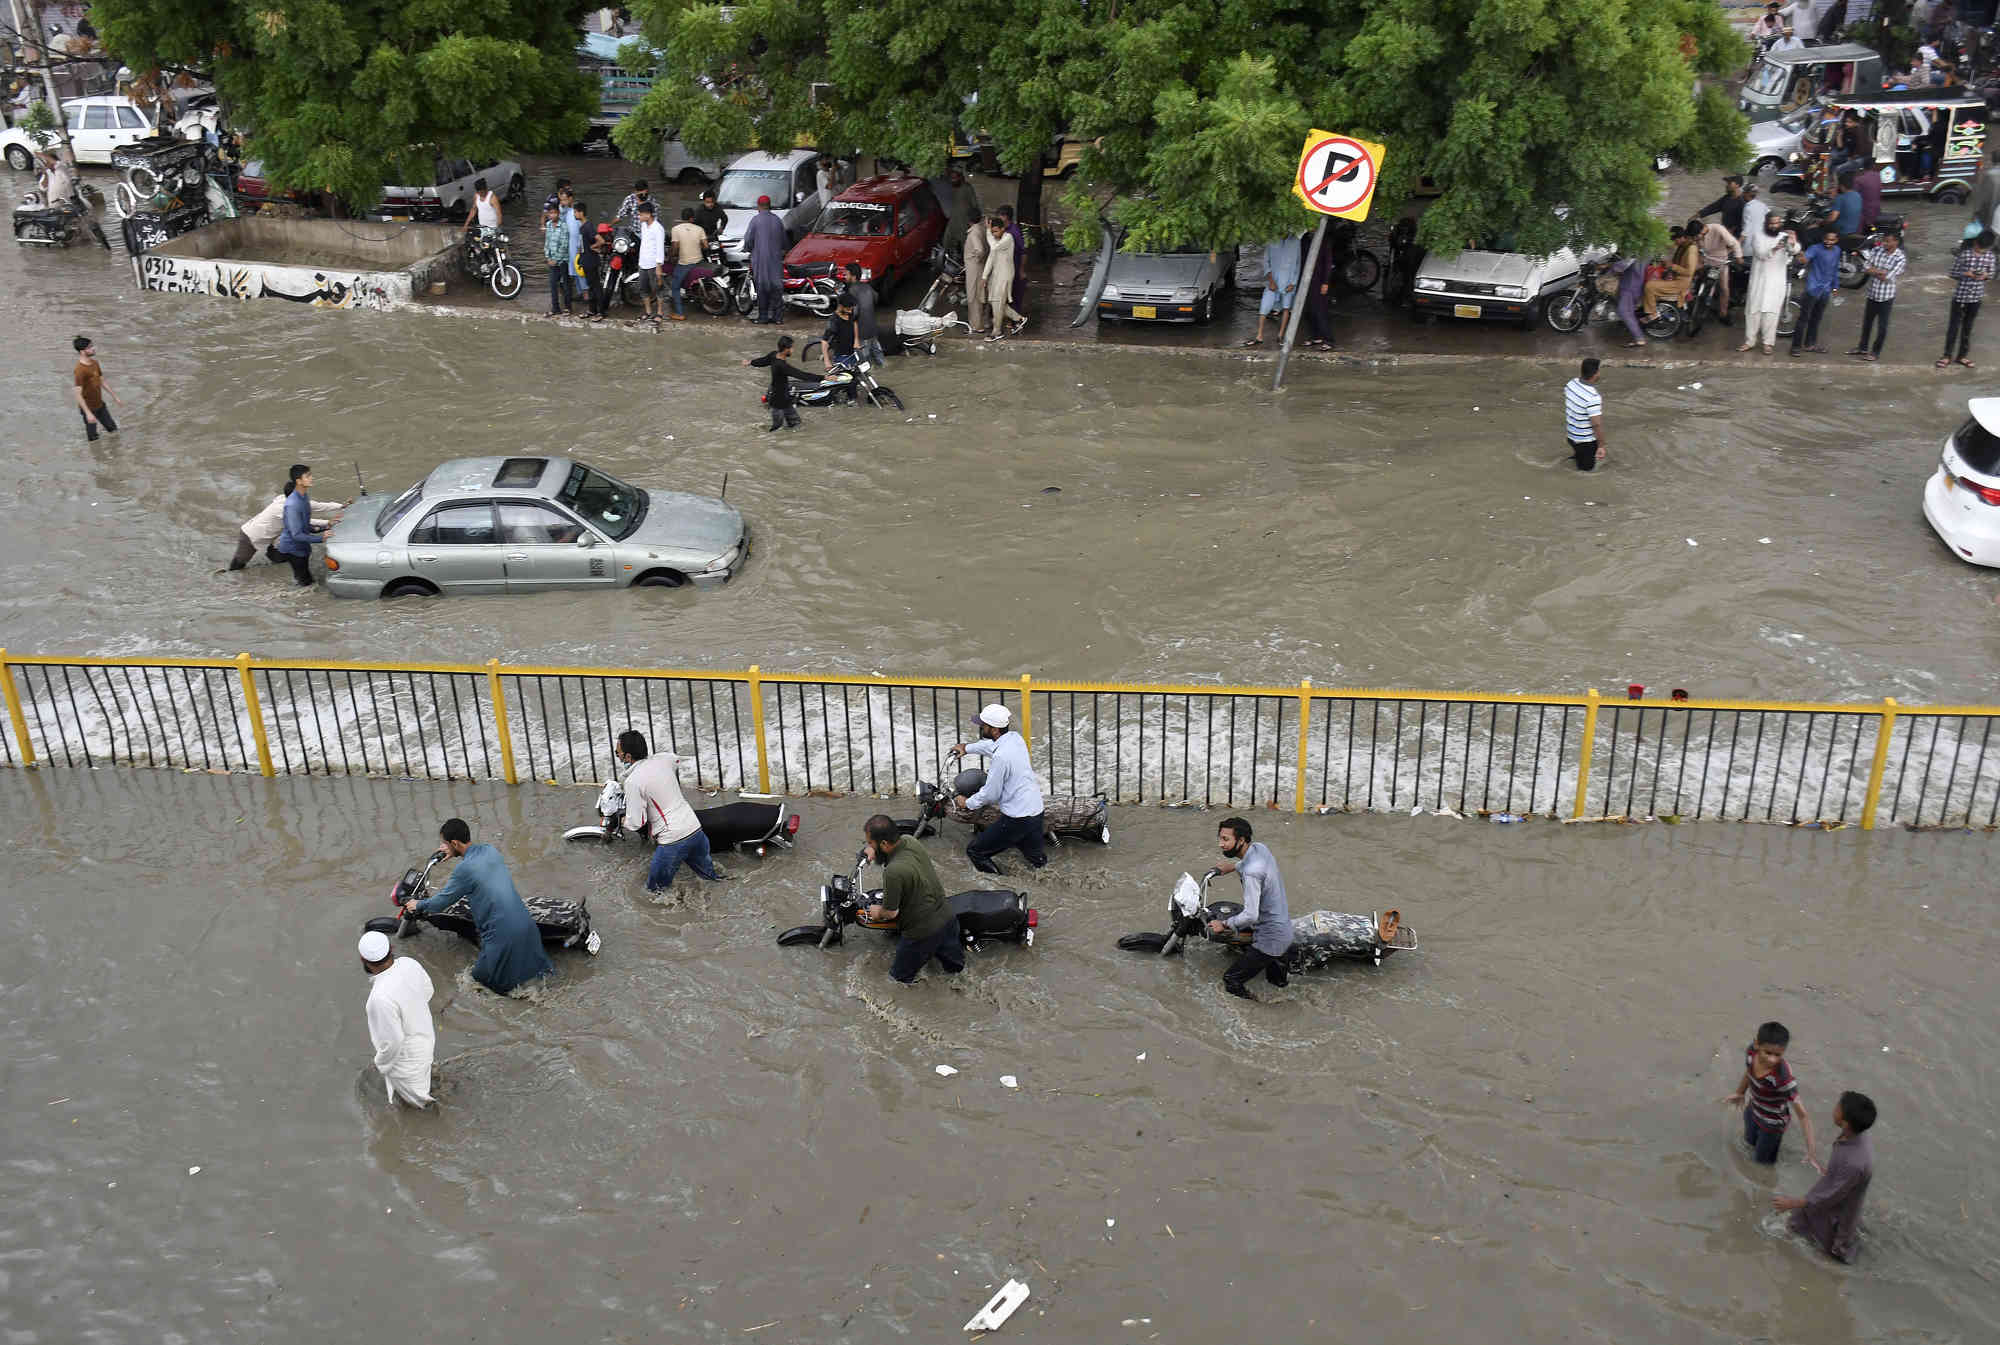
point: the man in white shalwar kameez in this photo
(399, 1020)
(1771, 252)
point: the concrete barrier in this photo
(324, 263)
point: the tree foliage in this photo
(345, 95)
(1534, 118)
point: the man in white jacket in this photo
(399, 1020)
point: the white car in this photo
(1774, 145)
(1511, 286)
(1962, 498)
(449, 193)
(678, 163)
(791, 181)
(96, 127)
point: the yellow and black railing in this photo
(1294, 747)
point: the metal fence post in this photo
(256, 709)
(14, 714)
(1027, 714)
(1589, 745)
(1305, 720)
(500, 720)
(757, 726)
(1885, 726)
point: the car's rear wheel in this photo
(19, 159)
(660, 579)
(410, 588)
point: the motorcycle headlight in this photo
(1510, 291)
(1430, 283)
(1111, 292)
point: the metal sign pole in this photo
(1300, 298)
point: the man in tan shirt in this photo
(687, 242)
(90, 391)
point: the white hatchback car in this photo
(789, 179)
(1962, 498)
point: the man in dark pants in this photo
(1583, 417)
(779, 398)
(1010, 783)
(1822, 274)
(1264, 913)
(913, 897)
(1884, 263)
(91, 392)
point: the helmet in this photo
(968, 782)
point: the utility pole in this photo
(31, 31)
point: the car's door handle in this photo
(423, 560)
(517, 555)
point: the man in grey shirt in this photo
(867, 340)
(1264, 913)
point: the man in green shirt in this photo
(914, 898)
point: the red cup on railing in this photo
(1634, 690)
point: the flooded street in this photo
(1511, 1134)
(1373, 525)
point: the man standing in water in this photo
(399, 1019)
(1010, 783)
(1830, 1213)
(510, 944)
(90, 390)
(653, 800)
(1264, 912)
(926, 928)
(1583, 416)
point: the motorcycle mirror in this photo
(437, 855)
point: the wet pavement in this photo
(1511, 1134)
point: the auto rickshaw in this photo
(1785, 80)
(1927, 142)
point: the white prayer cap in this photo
(995, 717)
(374, 946)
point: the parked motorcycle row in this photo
(759, 826)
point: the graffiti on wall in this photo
(225, 279)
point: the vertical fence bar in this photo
(500, 721)
(1028, 713)
(1305, 722)
(1884, 724)
(256, 712)
(757, 727)
(1584, 749)
(14, 715)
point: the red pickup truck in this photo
(887, 224)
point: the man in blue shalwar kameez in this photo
(510, 943)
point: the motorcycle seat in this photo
(734, 823)
(989, 911)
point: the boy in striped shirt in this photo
(1773, 1095)
(1583, 412)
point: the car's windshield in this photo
(603, 501)
(1769, 78)
(401, 505)
(741, 188)
(1979, 447)
(854, 219)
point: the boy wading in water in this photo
(1773, 1095)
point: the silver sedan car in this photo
(519, 525)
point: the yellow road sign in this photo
(1337, 174)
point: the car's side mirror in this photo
(587, 540)
(800, 199)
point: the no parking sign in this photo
(1337, 174)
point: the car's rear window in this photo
(1978, 447)
(401, 505)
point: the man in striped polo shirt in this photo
(1583, 414)
(1773, 1095)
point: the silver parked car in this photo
(517, 525)
(1183, 284)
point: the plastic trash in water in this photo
(194, 1171)
(1009, 1081)
(1111, 1223)
(999, 1308)
(945, 1071)
(1142, 1054)
(1763, 541)
(1695, 386)
(1693, 542)
(1508, 817)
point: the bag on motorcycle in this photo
(1061, 814)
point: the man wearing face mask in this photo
(1264, 913)
(628, 209)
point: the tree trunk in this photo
(1028, 205)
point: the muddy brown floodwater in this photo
(1512, 1134)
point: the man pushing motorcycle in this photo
(510, 943)
(1010, 783)
(926, 925)
(1264, 913)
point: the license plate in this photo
(1145, 311)
(1465, 310)
(400, 219)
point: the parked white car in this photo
(449, 193)
(789, 179)
(1495, 283)
(1962, 498)
(678, 163)
(97, 126)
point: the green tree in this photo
(1537, 119)
(342, 97)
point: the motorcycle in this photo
(749, 826)
(948, 287)
(59, 225)
(1704, 297)
(1318, 940)
(1591, 301)
(851, 377)
(563, 924)
(1808, 220)
(1404, 259)
(987, 914)
(814, 288)
(1062, 814)
(721, 284)
(483, 256)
